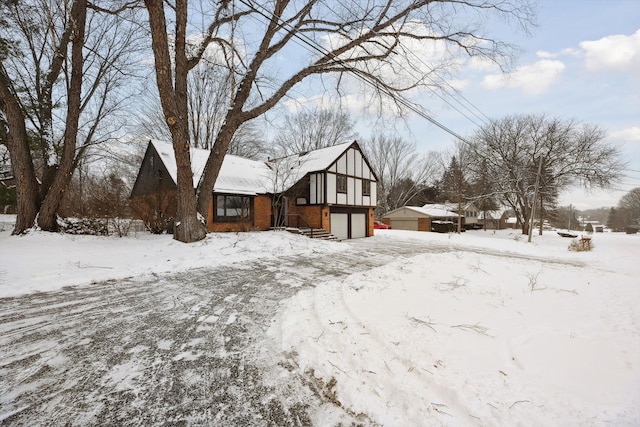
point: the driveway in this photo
(180, 349)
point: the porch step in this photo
(315, 233)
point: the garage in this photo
(404, 224)
(340, 225)
(348, 224)
(358, 225)
(417, 218)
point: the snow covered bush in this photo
(582, 244)
(88, 226)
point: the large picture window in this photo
(233, 208)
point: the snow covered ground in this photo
(474, 329)
(495, 332)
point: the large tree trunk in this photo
(49, 209)
(174, 106)
(21, 161)
(212, 168)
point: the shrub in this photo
(582, 244)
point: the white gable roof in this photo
(294, 167)
(433, 211)
(318, 160)
(430, 212)
(237, 174)
(244, 176)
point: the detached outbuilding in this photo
(417, 218)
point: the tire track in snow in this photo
(139, 351)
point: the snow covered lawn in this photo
(494, 332)
(476, 329)
(43, 261)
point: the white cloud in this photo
(546, 55)
(533, 79)
(564, 52)
(480, 63)
(616, 52)
(631, 134)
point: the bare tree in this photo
(209, 88)
(456, 188)
(58, 86)
(513, 148)
(629, 206)
(312, 129)
(401, 172)
(362, 39)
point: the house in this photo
(494, 219)
(470, 213)
(421, 219)
(333, 188)
(8, 202)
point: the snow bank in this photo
(493, 331)
(42, 261)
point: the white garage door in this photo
(340, 225)
(404, 224)
(358, 225)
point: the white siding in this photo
(374, 195)
(352, 164)
(366, 172)
(351, 191)
(312, 189)
(331, 188)
(342, 164)
(321, 188)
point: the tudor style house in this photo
(331, 188)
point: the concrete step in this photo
(315, 233)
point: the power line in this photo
(442, 80)
(310, 43)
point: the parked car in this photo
(381, 225)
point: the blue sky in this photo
(581, 62)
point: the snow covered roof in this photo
(244, 176)
(430, 212)
(450, 206)
(237, 175)
(294, 167)
(433, 211)
(318, 160)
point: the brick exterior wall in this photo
(261, 218)
(262, 212)
(370, 223)
(314, 215)
(424, 224)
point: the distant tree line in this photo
(627, 214)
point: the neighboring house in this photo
(8, 202)
(512, 222)
(417, 218)
(332, 188)
(470, 213)
(493, 220)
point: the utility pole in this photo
(535, 198)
